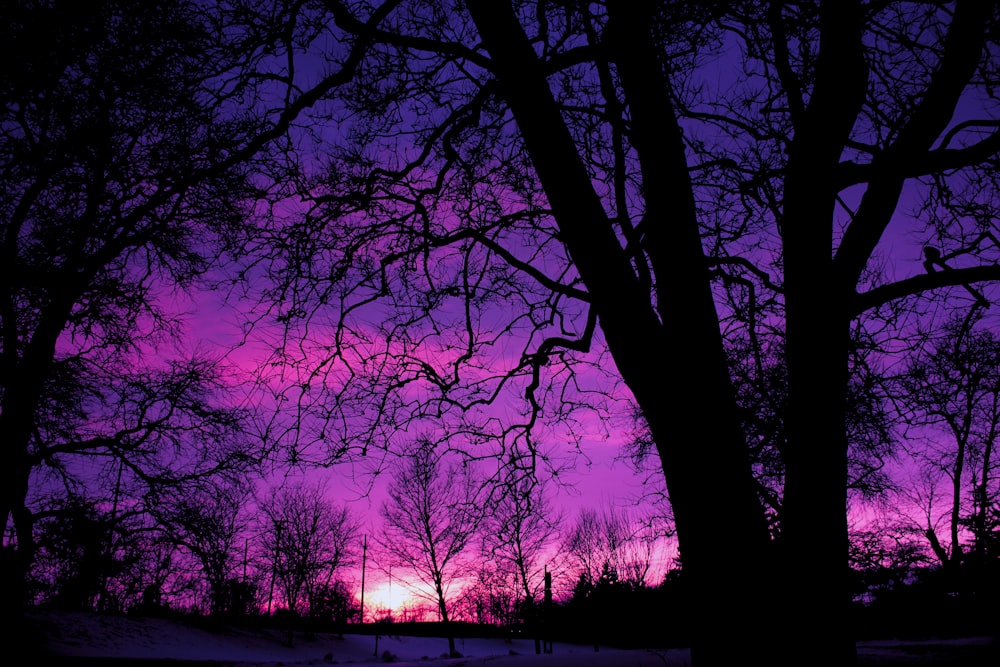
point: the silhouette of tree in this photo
(884, 559)
(91, 555)
(519, 531)
(305, 541)
(123, 155)
(518, 540)
(210, 523)
(950, 394)
(611, 541)
(431, 517)
(494, 598)
(513, 192)
(75, 556)
(334, 602)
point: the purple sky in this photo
(594, 476)
(597, 476)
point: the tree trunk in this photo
(981, 532)
(955, 559)
(818, 291)
(693, 417)
(443, 612)
(814, 531)
(26, 368)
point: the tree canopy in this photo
(509, 193)
(120, 151)
(508, 225)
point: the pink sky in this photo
(594, 476)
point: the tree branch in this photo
(963, 48)
(922, 283)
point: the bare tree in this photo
(210, 523)
(611, 540)
(493, 598)
(75, 555)
(521, 530)
(950, 394)
(431, 517)
(98, 556)
(305, 541)
(518, 539)
(884, 557)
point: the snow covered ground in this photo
(92, 635)
(85, 635)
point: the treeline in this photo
(465, 547)
(606, 576)
(215, 551)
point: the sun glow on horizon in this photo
(387, 596)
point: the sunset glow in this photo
(386, 596)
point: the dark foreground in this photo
(90, 640)
(975, 653)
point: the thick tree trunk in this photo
(26, 372)
(814, 531)
(814, 535)
(692, 415)
(698, 428)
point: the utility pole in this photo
(546, 611)
(274, 565)
(364, 561)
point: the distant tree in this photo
(430, 519)
(244, 595)
(334, 602)
(611, 543)
(74, 555)
(613, 552)
(92, 555)
(612, 609)
(518, 537)
(950, 395)
(153, 560)
(305, 541)
(519, 532)
(884, 558)
(209, 521)
(493, 598)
